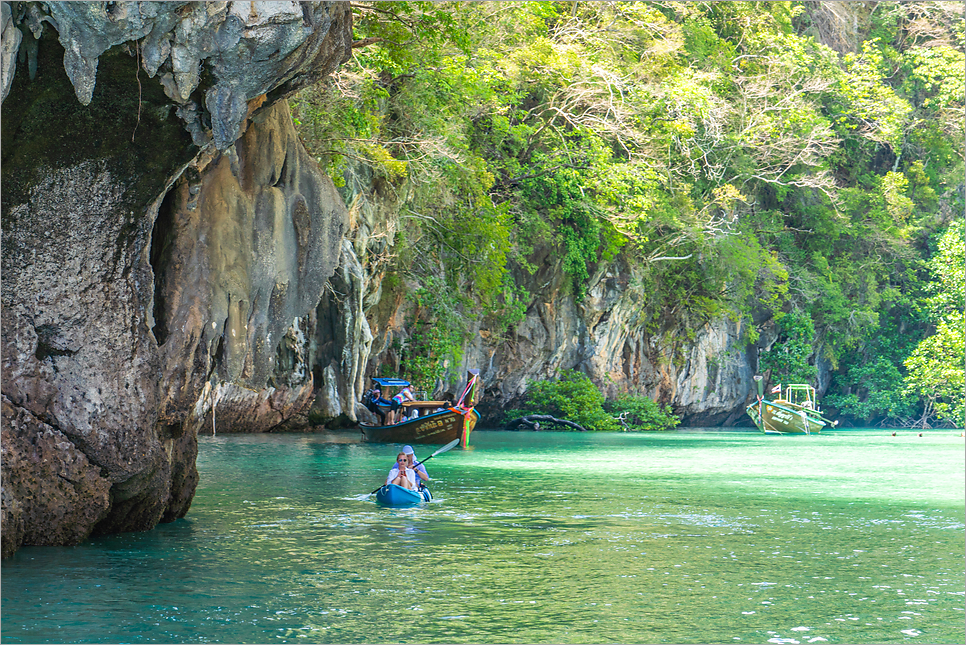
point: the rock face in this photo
(246, 48)
(243, 248)
(165, 242)
(706, 377)
(359, 315)
(59, 493)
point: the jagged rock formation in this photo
(243, 254)
(246, 49)
(707, 379)
(165, 242)
(358, 316)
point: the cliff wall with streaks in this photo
(165, 242)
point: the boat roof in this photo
(390, 382)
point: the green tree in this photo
(877, 393)
(936, 373)
(788, 358)
(642, 413)
(438, 328)
(572, 397)
(936, 367)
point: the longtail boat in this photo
(436, 422)
(796, 411)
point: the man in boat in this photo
(373, 400)
(405, 394)
(420, 470)
(401, 474)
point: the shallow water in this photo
(686, 537)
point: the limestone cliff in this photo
(705, 376)
(165, 242)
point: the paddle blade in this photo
(452, 444)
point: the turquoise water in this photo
(690, 537)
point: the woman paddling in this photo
(421, 475)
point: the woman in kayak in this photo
(420, 470)
(401, 474)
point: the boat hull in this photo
(777, 418)
(393, 495)
(436, 428)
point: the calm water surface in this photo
(691, 537)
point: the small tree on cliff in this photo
(788, 357)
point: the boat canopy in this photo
(800, 394)
(391, 382)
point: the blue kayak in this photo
(393, 495)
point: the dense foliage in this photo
(738, 163)
(787, 360)
(641, 413)
(935, 368)
(573, 397)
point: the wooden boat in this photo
(393, 495)
(434, 428)
(438, 422)
(796, 411)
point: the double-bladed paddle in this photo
(452, 444)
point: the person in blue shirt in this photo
(373, 401)
(421, 475)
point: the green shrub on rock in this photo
(641, 413)
(572, 397)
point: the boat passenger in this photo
(448, 398)
(421, 475)
(373, 401)
(401, 474)
(405, 394)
